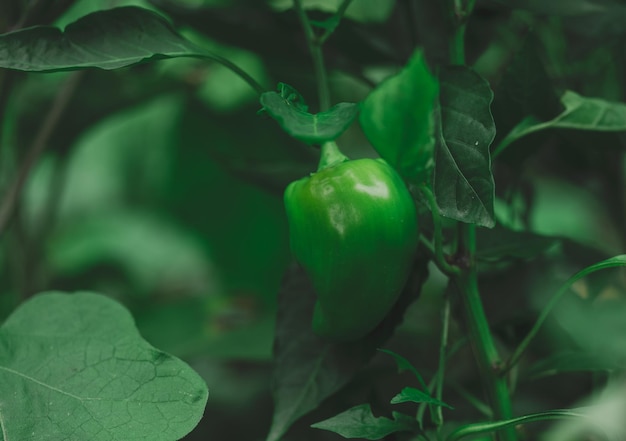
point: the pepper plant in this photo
(387, 219)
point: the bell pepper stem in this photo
(330, 156)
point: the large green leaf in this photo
(397, 118)
(581, 113)
(109, 39)
(73, 367)
(359, 422)
(463, 183)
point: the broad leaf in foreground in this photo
(74, 367)
(581, 113)
(359, 422)
(463, 183)
(397, 118)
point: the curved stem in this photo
(440, 258)
(315, 49)
(337, 18)
(477, 428)
(239, 71)
(613, 262)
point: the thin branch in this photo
(12, 195)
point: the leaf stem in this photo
(315, 48)
(239, 71)
(613, 262)
(7, 205)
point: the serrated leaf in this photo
(405, 365)
(307, 127)
(74, 367)
(397, 118)
(108, 39)
(581, 113)
(359, 422)
(413, 395)
(308, 369)
(463, 182)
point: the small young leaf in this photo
(463, 183)
(358, 422)
(397, 118)
(413, 395)
(75, 367)
(405, 365)
(581, 113)
(309, 128)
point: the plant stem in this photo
(459, 15)
(337, 17)
(239, 71)
(441, 369)
(477, 428)
(440, 258)
(483, 345)
(315, 48)
(7, 206)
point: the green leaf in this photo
(413, 395)
(358, 422)
(405, 365)
(106, 39)
(572, 361)
(525, 89)
(307, 127)
(397, 118)
(463, 183)
(109, 39)
(500, 243)
(75, 368)
(581, 113)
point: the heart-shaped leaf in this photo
(74, 367)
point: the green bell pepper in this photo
(353, 228)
